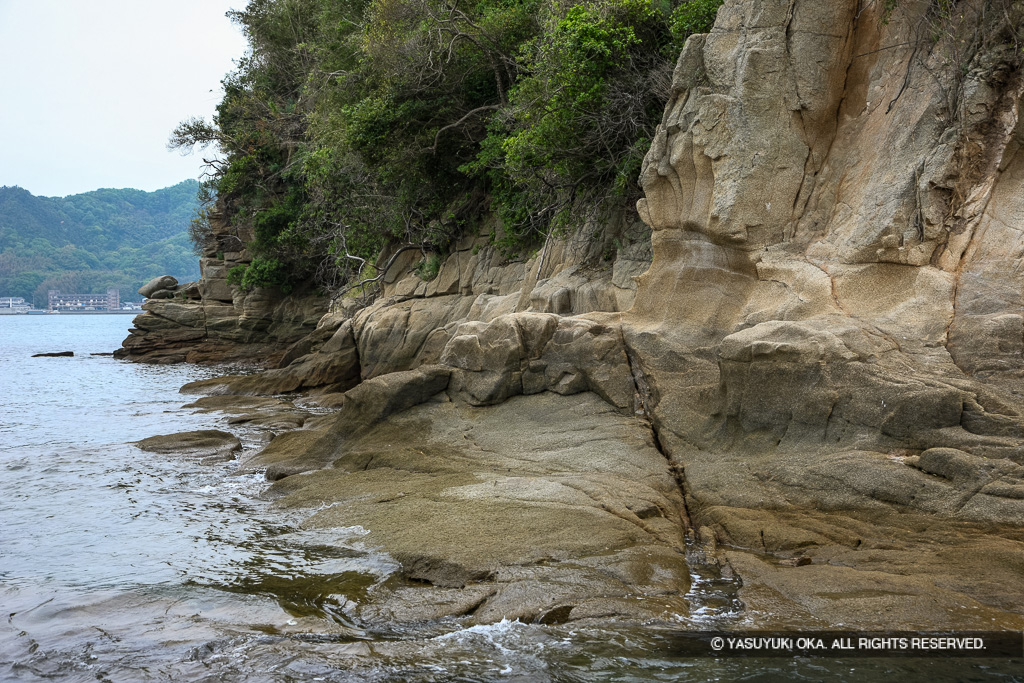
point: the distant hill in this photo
(89, 242)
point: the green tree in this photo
(357, 126)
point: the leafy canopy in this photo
(351, 125)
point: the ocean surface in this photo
(121, 565)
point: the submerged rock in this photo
(209, 445)
(55, 354)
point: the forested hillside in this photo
(352, 125)
(88, 242)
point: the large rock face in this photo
(825, 352)
(831, 327)
(543, 508)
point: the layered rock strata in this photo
(828, 325)
(823, 359)
(214, 321)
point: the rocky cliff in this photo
(213, 321)
(812, 389)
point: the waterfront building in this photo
(111, 301)
(13, 304)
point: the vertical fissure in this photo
(642, 407)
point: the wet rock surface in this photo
(261, 413)
(542, 507)
(210, 445)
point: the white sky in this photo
(91, 89)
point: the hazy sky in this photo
(91, 89)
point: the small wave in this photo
(499, 635)
(253, 484)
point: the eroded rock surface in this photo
(541, 508)
(828, 365)
(213, 321)
(264, 414)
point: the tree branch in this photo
(380, 273)
(437, 138)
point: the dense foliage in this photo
(89, 242)
(352, 125)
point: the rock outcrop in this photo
(207, 445)
(158, 284)
(213, 321)
(829, 340)
(813, 387)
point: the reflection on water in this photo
(118, 565)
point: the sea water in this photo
(122, 565)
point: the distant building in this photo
(13, 304)
(111, 301)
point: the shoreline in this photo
(492, 511)
(71, 313)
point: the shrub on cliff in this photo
(579, 119)
(353, 124)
